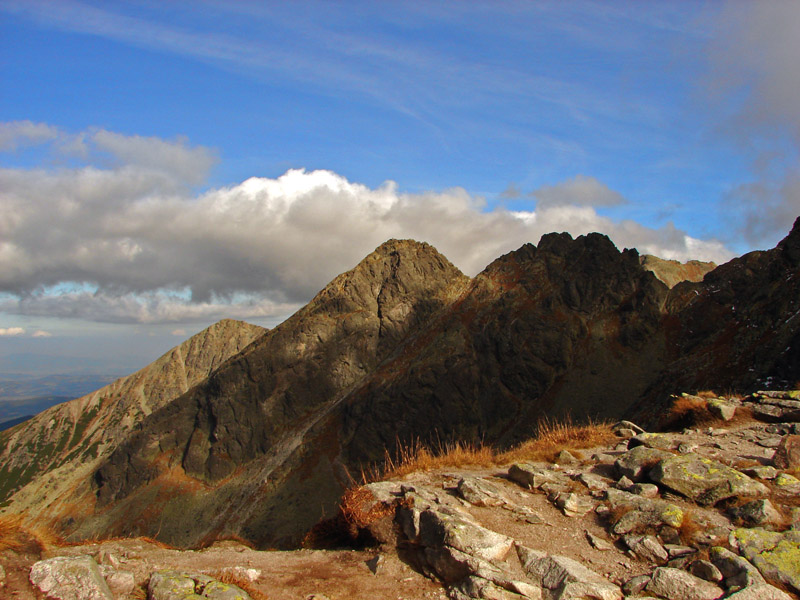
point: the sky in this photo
(166, 165)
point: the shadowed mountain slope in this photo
(68, 441)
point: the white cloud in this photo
(581, 190)
(133, 245)
(11, 331)
(40, 333)
(16, 134)
(178, 332)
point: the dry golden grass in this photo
(551, 438)
(554, 436)
(18, 537)
(689, 528)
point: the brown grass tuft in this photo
(689, 528)
(17, 537)
(418, 458)
(233, 578)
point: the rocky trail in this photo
(707, 511)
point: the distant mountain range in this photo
(271, 426)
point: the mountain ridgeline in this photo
(404, 347)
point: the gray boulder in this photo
(480, 492)
(635, 463)
(438, 528)
(70, 578)
(676, 584)
(566, 578)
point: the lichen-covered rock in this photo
(173, 585)
(676, 584)
(642, 513)
(775, 555)
(659, 441)
(636, 462)
(70, 578)
(704, 480)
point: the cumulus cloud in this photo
(130, 243)
(11, 331)
(755, 84)
(41, 333)
(17, 134)
(581, 190)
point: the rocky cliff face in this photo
(673, 272)
(404, 347)
(48, 459)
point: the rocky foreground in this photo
(709, 512)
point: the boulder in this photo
(573, 505)
(775, 555)
(642, 513)
(758, 512)
(566, 578)
(637, 461)
(676, 584)
(438, 528)
(705, 569)
(737, 572)
(479, 492)
(533, 477)
(70, 578)
(659, 441)
(762, 591)
(787, 454)
(704, 480)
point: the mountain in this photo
(404, 347)
(47, 462)
(673, 272)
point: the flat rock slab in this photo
(775, 555)
(70, 578)
(566, 579)
(676, 584)
(704, 480)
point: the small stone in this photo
(375, 563)
(565, 457)
(573, 505)
(646, 547)
(634, 585)
(761, 591)
(637, 461)
(706, 570)
(624, 483)
(676, 550)
(758, 512)
(648, 490)
(597, 542)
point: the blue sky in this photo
(163, 165)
